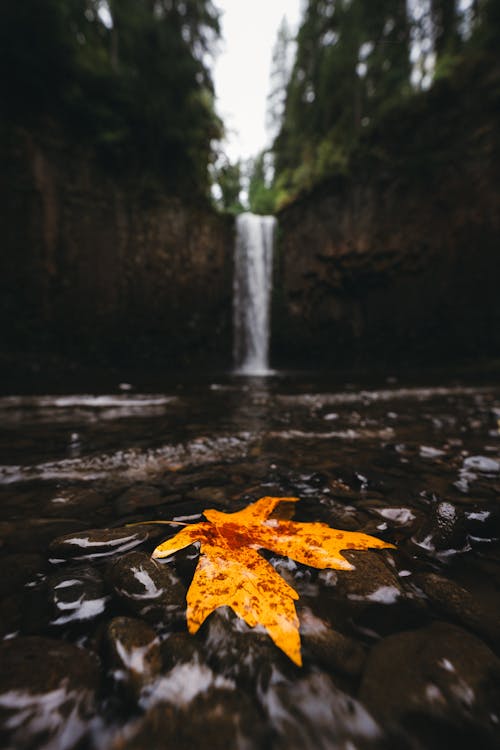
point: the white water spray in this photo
(252, 286)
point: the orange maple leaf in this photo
(231, 572)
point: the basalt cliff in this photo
(400, 258)
(102, 268)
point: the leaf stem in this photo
(147, 523)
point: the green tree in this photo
(261, 194)
(445, 22)
(353, 60)
(281, 66)
(227, 179)
(136, 87)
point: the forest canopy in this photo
(356, 63)
(128, 77)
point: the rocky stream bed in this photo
(401, 652)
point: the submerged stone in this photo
(134, 650)
(329, 648)
(96, 543)
(450, 599)
(443, 531)
(311, 712)
(242, 653)
(217, 718)
(76, 595)
(36, 534)
(440, 673)
(138, 497)
(148, 588)
(76, 502)
(181, 648)
(47, 693)
(18, 569)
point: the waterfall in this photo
(252, 284)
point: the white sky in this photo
(242, 69)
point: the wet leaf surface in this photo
(231, 572)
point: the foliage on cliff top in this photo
(362, 67)
(128, 77)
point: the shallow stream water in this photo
(401, 652)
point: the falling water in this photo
(253, 264)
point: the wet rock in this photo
(134, 650)
(148, 588)
(217, 718)
(98, 543)
(339, 516)
(209, 496)
(19, 569)
(310, 712)
(371, 598)
(47, 692)
(443, 531)
(138, 497)
(35, 608)
(76, 502)
(185, 482)
(36, 534)
(398, 517)
(371, 580)
(181, 648)
(482, 464)
(76, 595)
(458, 604)
(10, 615)
(483, 524)
(329, 648)
(441, 673)
(242, 653)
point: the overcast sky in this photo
(242, 68)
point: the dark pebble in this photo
(329, 648)
(76, 595)
(311, 712)
(148, 588)
(181, 648)
(209, 496)
(47, 693)
(240, 652)
(36, 534)
(450, 599)
(444, 530)
(134, 650)
(441, 673)
(138, 497)
(76, 502)
(19, 569)
(97, 543)
(219, 719)
(371, 581)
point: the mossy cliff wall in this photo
(400, 259)
(101, 267)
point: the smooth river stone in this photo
(148, 588)
(433, 680)
(95, 543)
(76, 595)
(218, 718)
(36, 534)
(455, 602)
(47, 693)
(134, 650)
(138, 497)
